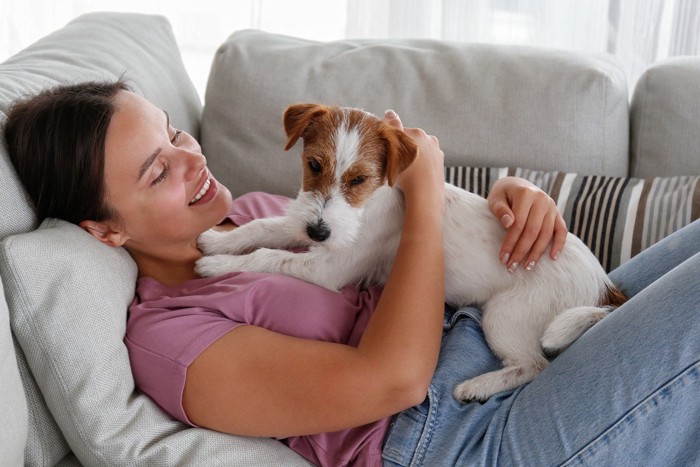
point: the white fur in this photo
(518, 307)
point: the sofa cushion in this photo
(13, 404)
(617, 217)
(488, 105)
(69, 294)
(664, 119)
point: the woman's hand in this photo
(424, 179)
(532, 220)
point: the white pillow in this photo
(69, 295)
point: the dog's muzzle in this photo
(318, 231)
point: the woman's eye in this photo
(315, 166)
(357, 180)
(176, 137)
(160, 177)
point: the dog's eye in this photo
(315, 166)
(357, 180)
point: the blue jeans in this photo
(627, 392)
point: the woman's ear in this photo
(104, 232)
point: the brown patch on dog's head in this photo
(314, 123)
(297, 118)
(401, 151)
(382, 152)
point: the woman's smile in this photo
(206, 193)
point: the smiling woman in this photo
(156, 195)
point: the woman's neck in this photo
(171, 271)
(174, 266)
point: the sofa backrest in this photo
(665, 120)
(488, 105)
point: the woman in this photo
(266, 355)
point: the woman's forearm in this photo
(402, 340)
(403, 337)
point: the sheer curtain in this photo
(638, 32)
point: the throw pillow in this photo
(617, 217)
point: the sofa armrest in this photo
(664, 119)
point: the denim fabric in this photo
(625, 393)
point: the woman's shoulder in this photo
(257, 205)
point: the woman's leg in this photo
(652, 263)
(626, 392)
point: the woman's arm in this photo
(260, 383)
(257, 382)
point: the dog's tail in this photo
(569, 325)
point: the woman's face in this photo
(157, 179)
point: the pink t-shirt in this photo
(169, 326)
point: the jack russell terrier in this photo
(348, 214)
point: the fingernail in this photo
(505, 259)
(530, 266)
(506, 220)
(556, 255)
(513, 267)
(390, 113)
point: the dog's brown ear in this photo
(401, 151)
(297, 117)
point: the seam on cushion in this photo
(32, 412)
(7, 243)
(640, 409)
(52, 368)
(607, 82)
(642, 112)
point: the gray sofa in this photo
(564, 120)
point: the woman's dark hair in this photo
(56, 142)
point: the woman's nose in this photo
(194, 164)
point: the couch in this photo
(624, 168)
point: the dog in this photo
(348, 215)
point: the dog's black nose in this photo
(318, 231)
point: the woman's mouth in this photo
(206, 193)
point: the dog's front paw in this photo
(212, 242)
(208, 266)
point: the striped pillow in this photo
(617, 217)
